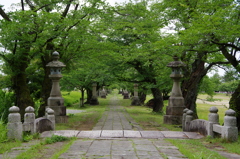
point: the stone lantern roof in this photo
(175, 63)
(55, 62)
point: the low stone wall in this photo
(16, 127)
(211, 127)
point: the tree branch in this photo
(4, 15)
(32, 7)
(227, 45)
(64, 14)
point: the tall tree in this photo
(137, 57)
(187, 18)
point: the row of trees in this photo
(126, 42)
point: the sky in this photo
(7, 3)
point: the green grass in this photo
(194, 149)
(85, 120)
(37, 150)
(63, 150)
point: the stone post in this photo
(184, 118)
(14, 126)
(213, 118)
(94, 99)
(135, 99)
(50, 116)
(55, 101)
(29, 120)
(103, 93)
(189, 118)
(176, 102)
(230, 130)
(125, 94)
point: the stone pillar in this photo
(230, 130)
(50, 116)
(213, 118)
(29, 120)
(94, 99)
(14, 125)
(176, 101)
(103, 93)
(188, 119)
(55, 101)
(135, 99)
(125, 94)
(184, 118)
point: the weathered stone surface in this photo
(174, 134)
(198, 125)
(194, 135)
(43, 124)
(90, 134)
(172, 119)
(151, 134)
(67, 133)
(112, 133)
(131, 134)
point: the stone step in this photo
(123, 134)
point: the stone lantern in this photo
(135, 98)
(176, 101)
(55, 101)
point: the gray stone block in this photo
(131, 134)
(174, 134)
(112, 133)
(151, 134)
(90, 134)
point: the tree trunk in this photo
(142, 97)
(234, 104)
(191, 85)
(82, 94)
(20, 86)
(158, 100)
(45, 91)
(89, 96)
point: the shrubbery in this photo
(3, 132)
(6, 100)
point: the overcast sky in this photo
(7, 3)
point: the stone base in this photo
(58, 110)
(55, 101)
(94, 101)
(61, 119)
(175, 110)
(172, 119)
(103, 96)
(135, 101)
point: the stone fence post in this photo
(213, 118)
(50, 116)
(189, 118)
(29, 120)
(14, 126)
(230, 130)
(184, 118)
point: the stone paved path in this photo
(117, 136)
